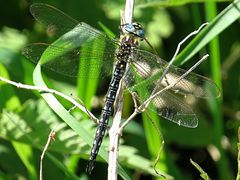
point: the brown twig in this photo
(51, 138)
(52, 91)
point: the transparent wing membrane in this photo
(149, 67)
(84, 45)
(143, 77)
(174, 109)
(56, 22)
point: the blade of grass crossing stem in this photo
(93, 83)
(109, 33)
(168, 3)
(197, 21)
(87, 86)
(82, 82)
(69, 119)
(215, 104)
(196, 16)
(215, 27)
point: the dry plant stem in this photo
(158, 158)
(52, 91)
(114, 137)
(238, 158)
(50, 139)
(114, 133)
(128, 13)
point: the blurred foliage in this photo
(26, 120)
(203, 174)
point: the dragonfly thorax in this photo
(123, 52)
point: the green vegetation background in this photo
(26, 119)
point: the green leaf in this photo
(10, 162)
(26, 154)
(215, 27)
(107, 30)
(87, 86)
(31, 133)
(131, 158)
(20, 127)
(203, 174)
(187, 136)
(154, 139)
(168, 3)
(9, 100)
(216, 104)
(12, 39)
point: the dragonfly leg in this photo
(136, 101)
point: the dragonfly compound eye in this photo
(138, 30)
(129, 28)
(140, 33)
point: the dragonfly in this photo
(80, 48)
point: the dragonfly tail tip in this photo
(90, 166)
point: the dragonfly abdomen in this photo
(122, 56)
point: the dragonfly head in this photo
(135, 29)
(135, 33)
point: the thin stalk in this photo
(215, 104)
(43, 89)
(114, 133)
(238, 158)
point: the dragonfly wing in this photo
(170, 107)
(166, 104)
(148, 68)
(83, 44)
(66, 64)
(80, 62)
(57, 22)
(143, 76)
(193, 84)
